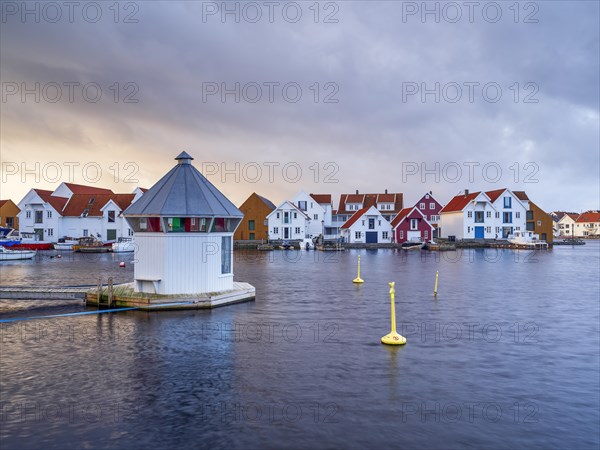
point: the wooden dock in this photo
(43, 293)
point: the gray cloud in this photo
(369, 54)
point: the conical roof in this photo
(183, 192)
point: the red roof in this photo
(589, 216)
(321, 198)
(78, 203)
(459, 202)
(401, 215)
(521, 195)
(58, 203)
(357, 215)
(371, 200)
(81, 189)
(493, 195)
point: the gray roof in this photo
(183, 192)
(267, 202)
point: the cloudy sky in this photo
(328, 97)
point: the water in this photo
(506, 357)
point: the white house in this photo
(483, 215)
(368, 226)
(184, 234)
(511, 212)
(566, 224)
(315, 212)
(75, 210)
(287, 221)
(588, 224)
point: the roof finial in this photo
(184, 158)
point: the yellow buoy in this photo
(436, 283)
(393, 338)
(358, 279)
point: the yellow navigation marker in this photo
(358, 279)
(436, 283)
(393, 338)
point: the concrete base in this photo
(124, 295)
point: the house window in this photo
(363, 223)
(529, 215)
(432, 205)
(297, 230)
(488, 214)
(497, 229)
(10, 222)
(470, 214)
(286, 217)
(295, 215)
(468, 229)
(316, 217)
(371, 224)
(529, 226)
(478, 216)
(277, 215)
(85, 233)
(28, 214)
(39, 216)
(401, 236)
(414, 224)
(357, 235)
(302, 205)
(276, 230)
(49, 214)
(507, 202)
(421, 205)
(129, 232)
(517, 215)
(251, 237)
(497, 214)
(379, 221)
(507, 217)
(50, 231)
(384, 234)
(488, 229)
(251, 225)
(111, 216)
(225, 254)
(426, 234)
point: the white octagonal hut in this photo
(184, 234)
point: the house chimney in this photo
(430, 192)
(466, 192)
(386, 191)
(357, 192)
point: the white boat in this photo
(9, 255)
(526, 239)
(412, 245)
(124, 245)
(66, 243)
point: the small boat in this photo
(9, 255)
(123, 245)
(31, 241)
(90, 244)
(412, 245)
(526, 239)
(66, 243)
(570, 241)
(285, 245)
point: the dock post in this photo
(437, 273)
(110, 292)
(99, 294)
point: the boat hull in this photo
(14, 255)
(32, 246)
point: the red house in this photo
(410, 224)
(430, 208)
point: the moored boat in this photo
(526, 239)
(9, 255)
(65, 243)
(412, 245)
(30, 241)
(124, 245)
(90, 244)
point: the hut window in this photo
(251, 225)
(176, 224)
(226, 254)
(219, 226)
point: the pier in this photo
(43, 293)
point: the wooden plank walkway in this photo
(43, 293)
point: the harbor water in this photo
(506, 356)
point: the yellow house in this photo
(8, 214)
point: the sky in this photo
(328, 97)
